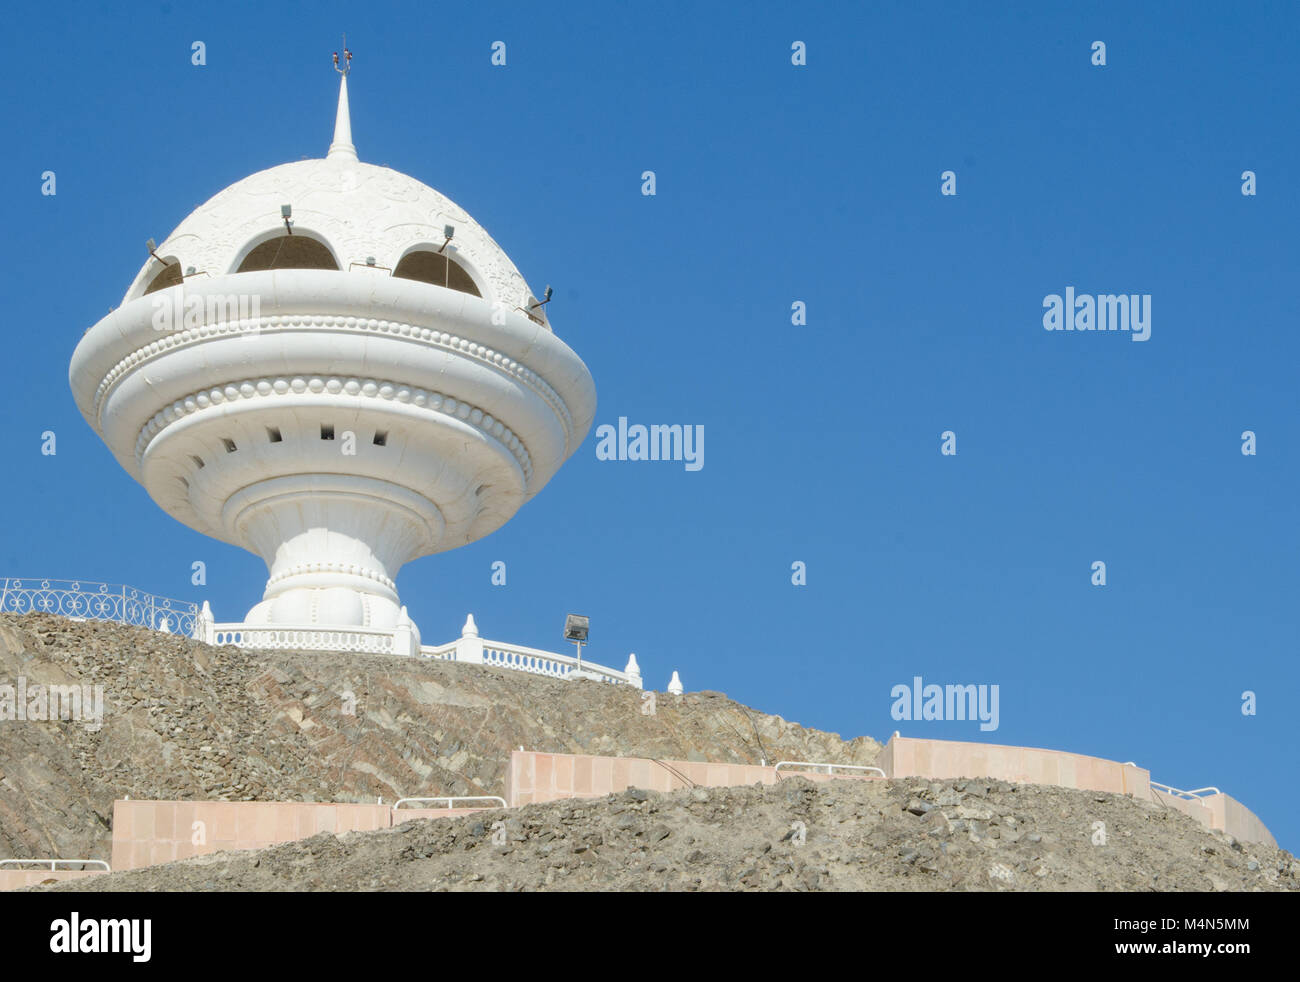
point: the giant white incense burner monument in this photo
(333, 366)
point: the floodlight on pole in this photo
(576, 629)
(286, 212)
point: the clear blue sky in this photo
(775, 183)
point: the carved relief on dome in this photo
(358, 210)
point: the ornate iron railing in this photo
(98, 601)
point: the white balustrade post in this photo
(469, 648)
(205, 625)
(633, 671)
(404, 639)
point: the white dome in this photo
(360, 212)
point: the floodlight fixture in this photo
(286, 212)
(576, 629)
(449, 231)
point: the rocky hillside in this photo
(186, 720)
(906, 834)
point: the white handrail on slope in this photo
(54, 862)
(1192, 795)
(450, 800)
(828, 766)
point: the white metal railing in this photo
(303, 637)
(829, 767)
(98, 601)
(451, 800)
(1190, 795)
(52, 863)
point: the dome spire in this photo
(342, 146)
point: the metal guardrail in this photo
(1190, 795)
(53, 863)
(829, 767)
(98, 601)
(450, 800)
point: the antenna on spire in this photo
(342, 145)
(347, 58)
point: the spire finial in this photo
(342, 145)
(347, 58)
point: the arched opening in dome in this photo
(438, 269)
(288, 252)
(169, 275)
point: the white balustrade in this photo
(439, 652)
(305, 637)
(472, 649)
(81, 600)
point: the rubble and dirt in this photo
(185, 720)
(904, 834)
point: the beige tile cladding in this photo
(943, 759)
(535, 777)
(149, 832)
(16, 879)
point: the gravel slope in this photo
(183, 720)
(905, 834)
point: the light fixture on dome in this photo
(286, 211)
(151, 245)
(543, 302)
(448, 231)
